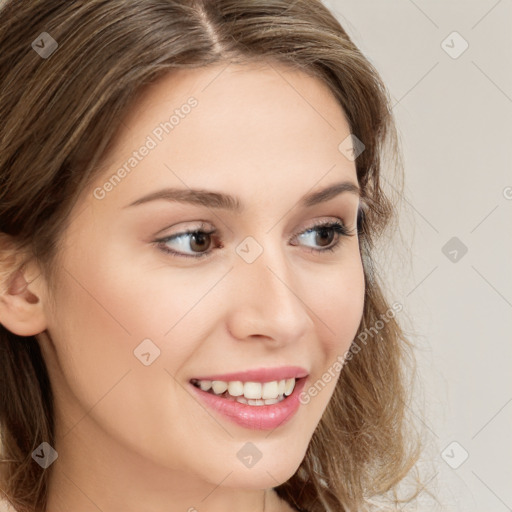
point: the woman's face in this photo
(142, 309)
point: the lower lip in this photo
(255, 417)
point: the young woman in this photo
(189, 199)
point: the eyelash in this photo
(339, 228)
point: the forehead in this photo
(233, 126)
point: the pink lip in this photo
(256, 417)
(260, 374)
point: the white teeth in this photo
(270, 401)
(205, 385)
(252, 393)
(290, 384)
(236, 388)
(219, 386)
(256, 402)
(252, 390)
(270, 389)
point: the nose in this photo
(267, 300)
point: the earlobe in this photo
(21, 310)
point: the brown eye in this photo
(200, 241)
(193, 244)
(324, 236)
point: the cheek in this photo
(339, 304)
(94, 340)
(102, 316)
(108, 306)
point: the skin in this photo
(132, 437)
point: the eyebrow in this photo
(220, 200)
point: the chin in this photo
(263, 475)
(255, 479)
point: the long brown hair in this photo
(58, 116)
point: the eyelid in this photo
(208, 228)
(340, 227)
(324, 222)
(199, 225)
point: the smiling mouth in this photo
(249, 393)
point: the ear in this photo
(21, 304)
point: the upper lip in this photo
(260, 374)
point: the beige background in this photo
(455, 120)
(455, 117)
